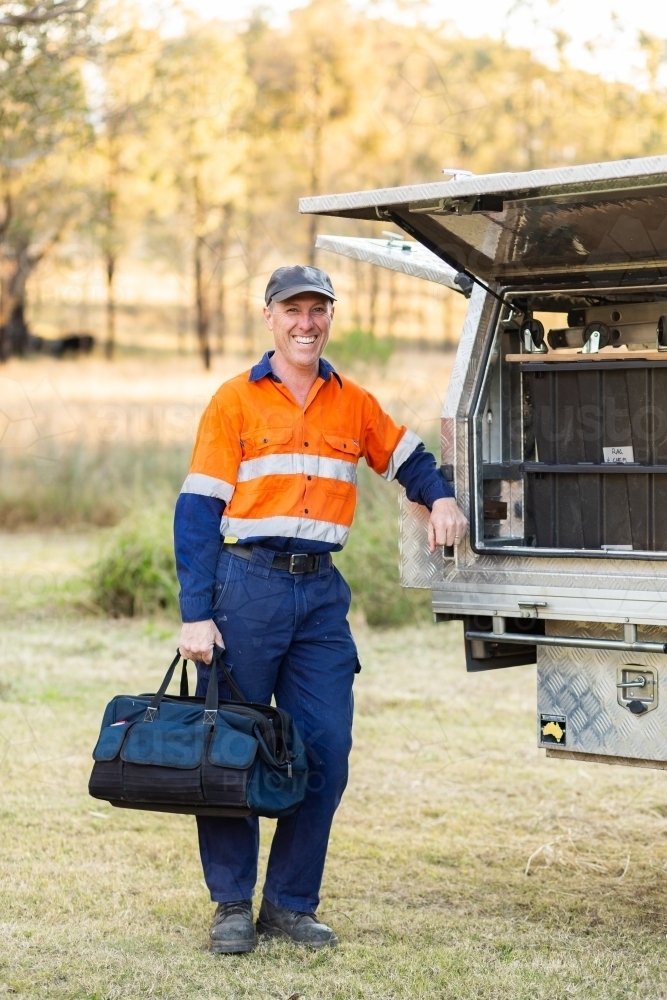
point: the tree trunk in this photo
(201, 302)
(248, 318)
(356, 298)
(14, 332)
(220, 308)
(392, 304)
(110, 344)
(110, 243)
(315, 158)
(201, 306)
(373, 298)
(221, 301)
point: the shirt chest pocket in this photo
(264, 457)
(258, 442)
(338, 472)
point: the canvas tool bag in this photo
(199, 756)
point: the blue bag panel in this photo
(272, 793)
(242, 723)
(122, 707)
(183, 714)
(165, 744)
(110, 741)
(231, 748)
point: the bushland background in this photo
(150, 166)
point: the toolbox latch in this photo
(530, 609)
(637, 688)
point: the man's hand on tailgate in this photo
(447, 524)
(198, 640)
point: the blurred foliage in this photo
(135, 573)
(94, 486)
(369, 561)
(133, 487)
(359, 347)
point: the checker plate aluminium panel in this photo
(404, 257)
(580, 685)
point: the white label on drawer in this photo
(623, 454)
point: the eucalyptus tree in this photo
(200, 98)
(43, 119)
(120, 158)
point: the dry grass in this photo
(449, 804)
(160, 399)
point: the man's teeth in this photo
(305, 340)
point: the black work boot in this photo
(232, 930)
(302, 928)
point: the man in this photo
(270, 495)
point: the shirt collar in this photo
(263, 368)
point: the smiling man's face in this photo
(300, 328)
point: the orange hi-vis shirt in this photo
(287, 471)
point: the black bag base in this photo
(184, 810)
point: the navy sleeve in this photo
(197, 542)
(421, 478)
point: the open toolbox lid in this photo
(589, 225)
(395, 253)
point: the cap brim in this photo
(288, 293)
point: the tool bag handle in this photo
(212, 698)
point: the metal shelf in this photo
(582, 468)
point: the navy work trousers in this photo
(286, 635)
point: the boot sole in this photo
(266, 930)
(220, 948)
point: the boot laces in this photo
(241, 906)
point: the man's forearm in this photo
(197, 544)
(422, 480)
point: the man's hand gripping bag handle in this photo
(212, 697)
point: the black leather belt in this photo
(291, 562)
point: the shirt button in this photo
(306, 511)
(309, 478)
(305, 444)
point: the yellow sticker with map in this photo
(553, 729)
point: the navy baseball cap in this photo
(289, 281)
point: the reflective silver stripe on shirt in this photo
(284, 527)
(408, 443)
(208, 486)
(297, 464)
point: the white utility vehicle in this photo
(554, 434)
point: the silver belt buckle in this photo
(298, 562)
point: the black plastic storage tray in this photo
(573, 498)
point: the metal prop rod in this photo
(407, 227)
(571, 643)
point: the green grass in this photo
(425, 885)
